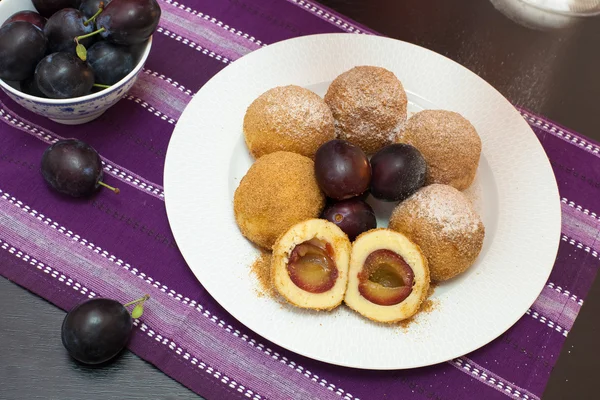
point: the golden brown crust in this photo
(279, 190)
(442, 221)
(287, 118)
(291, 302)
(448, 142)
(369, 106)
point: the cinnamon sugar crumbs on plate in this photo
(431, 289)
(427, 306)
(261, 268)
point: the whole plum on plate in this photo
(399, 170)
(342, 169)
(353, 216)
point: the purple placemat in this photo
(121, 246)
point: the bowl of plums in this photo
(71, 60)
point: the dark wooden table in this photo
(554, 71)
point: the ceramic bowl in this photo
(70, 111)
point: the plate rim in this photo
(258, 53)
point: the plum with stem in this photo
(96, 330)
(74, 168)
(127, 22)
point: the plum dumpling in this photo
(388, 277)
(310, 264)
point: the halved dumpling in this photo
(310, 264)
(388, 277)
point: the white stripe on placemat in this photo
(491, 379)
(216, 22)
(170, 81)
(546, 321)
(190, 43)
(59, 276)
(565, 292)
(579, 245)
(581, 209)
(187, 301)
(551, 128)
(177, 296)
(49, 137)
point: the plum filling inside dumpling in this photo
(385, 279)
(311, 266)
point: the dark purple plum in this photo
(398, 171)
(128, 22)
(72, 167)
(89, 8)
(110, 62)
(353, 216)
(30, 87)
(64, 76)
(22, 46)
(342, 169)
(62, 29)
(48, 7)
(96, 330)
(28, 16)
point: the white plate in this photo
(515, 192)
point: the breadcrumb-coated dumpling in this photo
(448, 142)
(388, 277)
(287, 118)
(443, 222)
(369, 105)
(310, 264)
(278, 191)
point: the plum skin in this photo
(342, 169)
(96, 330)
(64, 76)
(353, 216)
(22, 46)
(399, 170)
(72, 167)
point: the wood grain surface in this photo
(554, 72)
(35, 365)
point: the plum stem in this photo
(140, 300)
(93, 18)
(116, 190)
(101, 85)
(78, 38)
